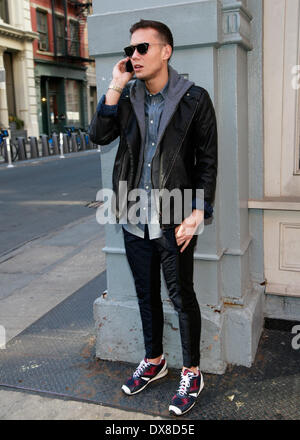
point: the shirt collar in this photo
(163, 91)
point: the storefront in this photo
(62, 97)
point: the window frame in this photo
(40, 13)
(72, 41)
(59, 18)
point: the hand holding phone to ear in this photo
(121, 76)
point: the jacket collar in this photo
(177, 87)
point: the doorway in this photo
(53, 105)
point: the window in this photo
(74, 37)
(4, 10)
(42, 28)
(73, 101)
(60, 40)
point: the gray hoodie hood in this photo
(178, 86)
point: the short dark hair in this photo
(161, 28)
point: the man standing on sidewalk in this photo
(168, 140)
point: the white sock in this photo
(157, 363)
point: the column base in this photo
(244, 325)
(228, 336)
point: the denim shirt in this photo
(154, 105)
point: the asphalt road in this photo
(43, 195)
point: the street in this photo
(40, 196)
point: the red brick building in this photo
(61, 61)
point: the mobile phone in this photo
(129, 67)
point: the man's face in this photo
(153, 61)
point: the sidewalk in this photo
(49, 370)
(18, 405)
(35, 278)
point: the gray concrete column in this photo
(214, 55)
(242, 295)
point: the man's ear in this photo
(167, 52)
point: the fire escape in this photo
(72, 45)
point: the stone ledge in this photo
(6, 30)
(275, 203)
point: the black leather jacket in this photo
(186, 156)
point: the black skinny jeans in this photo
(145, 257)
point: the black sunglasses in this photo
(142, 48)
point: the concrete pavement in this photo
(33, 281)
(17, 405)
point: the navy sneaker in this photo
(189, 389)
(145, 374)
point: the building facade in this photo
(64, 76)
(247, 261)
(18, 106)
(280, 168)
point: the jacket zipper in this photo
(176, 154)
(118, 179)
(162, 137)
(117, 215)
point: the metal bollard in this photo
(74, 142)
(10, 165)
(55, 143)
(45, 145)
(61, 145)
(66, 143)
(5, 150)
(22, 155)
(82, 141)
(34, 149)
